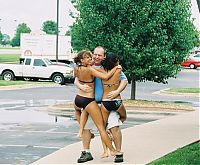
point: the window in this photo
(38, 62)
(28, 61)
(197, 55)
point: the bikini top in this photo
(87, 81)
(111, 84)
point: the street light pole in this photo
(57, 31)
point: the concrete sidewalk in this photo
(141, 144)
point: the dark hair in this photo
(110, 61)
(81, 55)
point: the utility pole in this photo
(57, 30)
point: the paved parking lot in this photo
(34, 134)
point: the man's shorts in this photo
(113, 121)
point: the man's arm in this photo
(83, 87)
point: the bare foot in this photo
(113, 153)
(105, 155)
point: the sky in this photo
(35, 12)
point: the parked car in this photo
(196, 56)
(192, 62)
(37, 68)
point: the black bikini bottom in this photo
(112, 105)
(82, 102)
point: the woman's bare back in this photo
(111, 84)
(85, 77)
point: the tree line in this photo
(49, 27)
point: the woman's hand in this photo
(119, 67)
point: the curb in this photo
(165, 92)
(27, 86)
(67, 109)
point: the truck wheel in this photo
(8, 76)
(58, 78)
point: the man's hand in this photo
(115, 93)
(86, 88)
(112, 94)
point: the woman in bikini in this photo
(86, 74)
(109, 85)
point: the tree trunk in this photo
(133, 88)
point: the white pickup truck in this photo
(37, 68)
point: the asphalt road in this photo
(144, 90)
(29, 133)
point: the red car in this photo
(193, 62)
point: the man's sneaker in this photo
(85, 156)
(118, 158)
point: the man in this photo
(113, 120)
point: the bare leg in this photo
(94, 111)
(86, 135)
(86, 139)
(77, 113)
(117, 137)
(122, 113)
(105, 114)
(105, 151)
(83, 120)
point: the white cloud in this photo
(33, 13)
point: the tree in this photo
(50, 27)
(151, 37)
(1, 37)
(75, 3)
(5, 39)
(21, 28)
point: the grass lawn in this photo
(157, 104)
(184, 90)
(188, 155)
(8, 83)
(9, 58)
(10, 48)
